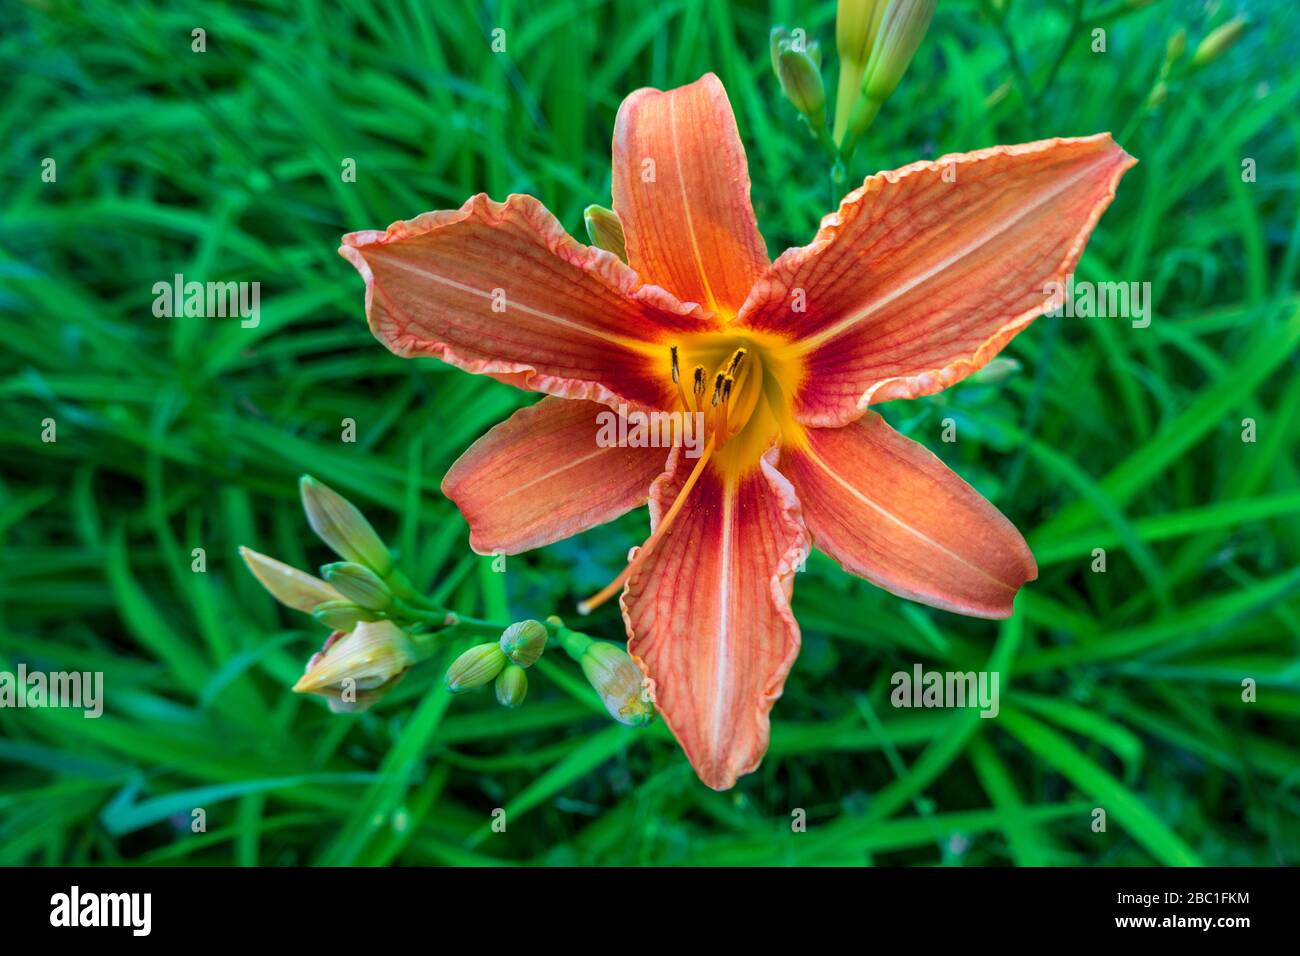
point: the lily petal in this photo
(681, 188)
(539, 477)
(502, 289)
(888, 510)
(925, 273)
(708, 613)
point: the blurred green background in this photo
(1121, 690)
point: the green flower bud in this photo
(524, 642)
(359, 584)
(901, 27)
(1218, 42)
(340, 524)
(856, 24)
(476, 667)
(997, 370)
(618, 681)
(1176, 46)
(774, 41)
(354, 670)
(342, 615)
(605, 230)
(512, 686)
(801, 82)
(291, 587)
(901, 30)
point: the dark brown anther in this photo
(717, 387)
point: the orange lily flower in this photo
(918, 280)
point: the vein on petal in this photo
(820, 338)
(620, 340)
(686, 205)
(722, 651)
(856, 493)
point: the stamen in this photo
(677, 380)
(724, 413)
(740, 411)
(609, 590)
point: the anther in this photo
(717, 387)
(673, 351)
(736, 359)
(699, 380)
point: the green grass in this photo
(1121, 690)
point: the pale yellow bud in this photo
(619, 682)
(373, 657)
(342, 526)
(291, 587)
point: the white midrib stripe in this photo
(686, 205)
(547, 316)
(722, 650)
(821, 463)
(567, 466)
(820, 338)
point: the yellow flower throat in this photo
(743, 386)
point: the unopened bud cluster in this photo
(380, 627)
(373, 639)
(503, 661)
(875, 40)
